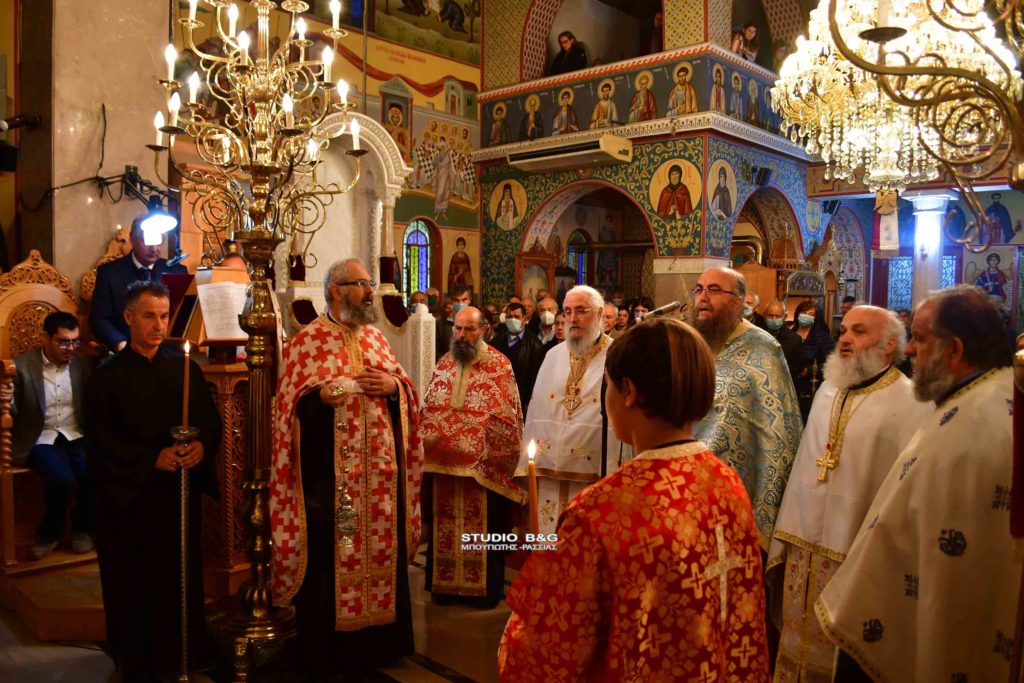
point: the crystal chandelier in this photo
(943, 60)
(839, 113)
(272, 115)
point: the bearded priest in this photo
(565, 411)
(754, 425)
(862, 417)
(345, 516)
(471, 428)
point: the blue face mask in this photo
(514, 325)
(774, 323)
(747, 311)
(458, 307)
(805, 320)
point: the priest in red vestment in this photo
(657, 573)
(471, 427)
(345, 485)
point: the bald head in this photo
(774, 309)
(470, 315)
(866, 328)
(467, 334)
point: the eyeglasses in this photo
(362, 284)
(69, 343)
(711, 290)
(577, 312)
(465, 328)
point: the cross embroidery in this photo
(720, 569)
(744, 652)
(826, 463)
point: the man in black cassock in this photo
(133, 401)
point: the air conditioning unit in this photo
(561, 155)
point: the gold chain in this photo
(577, 369)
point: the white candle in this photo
(335, 13)
(173, 106)
(243, 46)
(225, 143)
(158, 123)
(184, 393)
(531, 453)
(170, 56)
(232, 19)
(355, 135)
(288, 105)
(328, 59)
(193, 87)
(192, 4)
(343, 91)
(300, 28)
(312, 150)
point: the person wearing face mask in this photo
(609, 316)
(775, 322)
(524, 350)
(459, 298)
(618, 298)
(434, 302)
(415, 299)
(816, 344)
(547, 309)
(750, 314)
(639, 307)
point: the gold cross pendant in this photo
(826, 463)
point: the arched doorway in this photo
(766, 244)
(588, 233)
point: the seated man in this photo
(48, 407)
(112, 279)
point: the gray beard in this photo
(862, 367)
(715, 330)
(465, 353)
(578, 347)
(358, 314)
(932, 381)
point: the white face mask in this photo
(514, 325)
(547, 318)
(501, 318)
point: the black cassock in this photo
(132, 405)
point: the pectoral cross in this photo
(826, 462)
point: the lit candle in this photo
(300, 28)
(328, 59)
(243, 46)
(225, 143)
(193, 87)
(531, 452)
(232, 19)
(312, 149)
(158, 123)
(170, 56)
(192, 4)
(184, 393)
(355, 135)
(173, 107)
(343, 91)
(288, 106)
(335, 6)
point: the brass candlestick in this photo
(182, 436)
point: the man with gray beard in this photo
(928, 590)
(471, 428)
(862, 417)
(345, 495)
(565, 417)
(754, 426)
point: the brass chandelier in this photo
(944, 61)
(839, 113)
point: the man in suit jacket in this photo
(48, 395)
(112, 279)
(523, 349)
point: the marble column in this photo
(929, 210)
(104, 52)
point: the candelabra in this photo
(943, 60)
(270, 116)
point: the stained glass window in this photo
(416, 250)
(577, 254)
(901, 279)
(948, 271)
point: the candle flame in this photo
(186, 347)
(531, 450)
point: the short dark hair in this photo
(567, 34)
(967, 313)
(459, 290)
(59, 320)
(671, 366)
(515, 307)
(849, 300)
(140, 287)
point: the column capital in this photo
(931, 200)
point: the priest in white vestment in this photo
(565, 411)
(863, 416)
(754, 426)
(928, 591)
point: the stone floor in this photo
(453, 643)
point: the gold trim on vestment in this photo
(458, 556)
(810, 547)
(847, 646)
(970, 385)
(840, 416)
(573, 398)
(670, 452)
(516, 495)
(460, 382)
